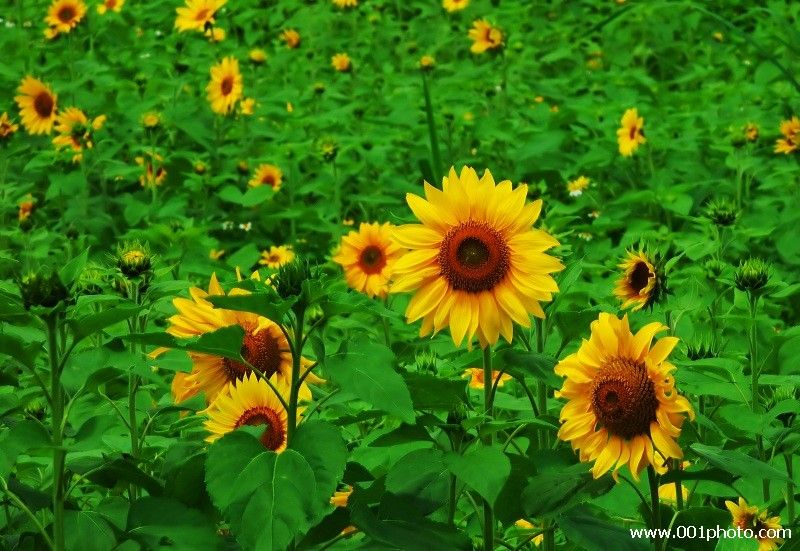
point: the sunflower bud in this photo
(722, 212)
(426, 362)
(714, 269)
(319, 88)
(291, 278)
(36, 408)
(752, 275)
(43, 288)
(243, 168)
(701, 350)
(329, 149)
(134, 260)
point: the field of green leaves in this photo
(416, 275)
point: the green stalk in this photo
(755, 391)
(541, 386)
(133, 384)
(488, 514)
(59, 454)
(787, 457)
(655, 508)
(678, 486)
(294, 393)
(438, 171)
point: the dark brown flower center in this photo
(624, 398)
(372, 260)
(268, 179)
(66, 14)
(274, 434)
(639, 276)
(227, 85)
(474, 257)
(43, 104)
(202, 15)
(261, 350)
(632, 134)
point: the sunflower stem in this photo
(488, 514)
(541, 386)
(59, 454)
(678, 486)
(133, 384)
(655, 508)
(755, 391)
(294, 393)
(435, 153)
(787, 457)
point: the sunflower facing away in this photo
(454, 5)
(630, 134)
(276, 257)
(250, 401)
(63, 16)
(484, 37)
(267, 175)
(765, 528)
(37, 106)
(640, 285)
(110, 5)
(475, 263)
(368, 257)
(226, 86)
(196, 14)
(791, 136)
(476, 379)
(623, 408)
(76, 132)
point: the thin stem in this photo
(294, 393)
(678, 485)
(787, 457)
(488, 514)
(541, 386)
(59, 454)
(133, 385)
(655, 509)
(755, 391)
(24, 508)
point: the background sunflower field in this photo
(246, 303)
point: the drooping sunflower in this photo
(226, 86)
(341, 62)
(7, 126)
(251, 401)
(267, 175)
(577, 186)
(623, 408)
(475, 262)
(37, 106)
(791, 136)
(196, 14)
(484, 36)
(291, 37)
(765, 528)
(630, 134)
(368, 257)
(454, 5)
(63, 16)
(110, 5)
(276, 257)
(76, 132)
(641, 284)
(476, 379)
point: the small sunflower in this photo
(257, 56)
(345, 3)
(577, 186)
(484, 37)
(215, 34)
(7, 126)
(367, 257)
(291, 37)
(476, 379)
(110, 5)
(225, 87)
(196, 14)
(630, 135)
(37, 106)
(454, 5)
(154, 172)
(151, 119)
(764, 527)
(751, 131)
(251, 401)
(247, 106)
(791, 136)
(623, 408)
(267, 175)
(75, 131)
(26, 207)
(475, 262)
(427, 62)
(642, 283)
(341, 497)
(341, 62)
(276, 257)
(63, 16)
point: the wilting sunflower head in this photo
(751, 131)
(475, 263)
(752, 275)
(368, 257)
(42, 288)
(291, 38)
(722, 212)
(134, 259)
(477, 380)
(630, 134)
(341, 497)
(642, 283)
(764, 528)
(37, 106)
(623, 408)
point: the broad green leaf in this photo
(555, 490)
(73, 268)
(24, 352)
(737, 463)
(92, 323)
(583, 527)
(88, 530)
(689, 521)
(225, 342)
(268, 305)
(322, 446)
(421, 477)
(166, 523)
(483, 469)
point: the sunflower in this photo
(477, 381)
(75, 131)
(7, 126)
(525, 525)
(630, 135)
(110, 5)
(368, 257)
(257, 56)
(37, 106)
(345, 3)
(751, 131)
(791, 136)
(669, 494)
(484, 37)
(291, 37)
(276, 256)
(215, 34)
(247, 106)
(151, 119)
(641, 284)
(454, 5)
(267, 175)
(341, 62)
(225, 87)
(622, 406)
(26, 207)
(576, 186)
(475, 262)
(341, 497)
(427, 62)
(196, 14)
(154, 172)
(63, 16)
(251, 401)
(765, 528)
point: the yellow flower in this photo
(639, 285)
(345, 3)
(475, 375)
(291, 37)
(789, 143)
(225, 87)
(215, 254)
(576, 186)
(367, 257)
(623, 408)
(454, 5)
(26, 208)
(267, 175)
(668, 494)
(151, 119)
(427, 62)
(112, 5)
(215, 34)
(341, 62)
(765, 528)
(484, 37)
(475, 263)
(37, 106)
(63, 16)
(196, 14)
(525, 525)
(631, 134)
(276, 256)
(75, 131)
(247, 106)
(340, 497)
(751, 131)
(539, 99)
(289, 107)
(251, 401)
(257, 56)
(7, 126)
(154, 173)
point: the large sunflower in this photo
(475, 262)
(63, 16)
(264, 345)
(196, 14)
(640, 284)
(765, 529)
(368, 256)
(226, 86)
(630, 134)
(37, 106)
(251, 401)
(623, 407)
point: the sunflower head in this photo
(42, 288)
(791, 136)
(722, 212)
(341, 62)
(476, 377)
(763, 527)
(37, 106)
(454, 5)
(485, 37)
(642, 283)
(427, 63)
(291, 38)
(267, 175)
(225, 87)
(7, 127)
(197, 15)
(630, 134)
(329, 149)
(63, 16)
(276, 257)
(341, 497)
(752, 276)
(367, 257)
(134, 259)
